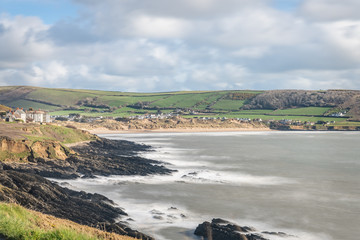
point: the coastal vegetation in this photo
(19, 223)
(30, 153)
(297, 105)
(19, 142)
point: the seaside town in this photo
(42, 117)
(26, 116)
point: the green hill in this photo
(90, 102)
(277, 104)
(4, 108)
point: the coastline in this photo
(176, 130)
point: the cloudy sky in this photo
(167, 45)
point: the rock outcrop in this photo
(39, 194)
(23, 181)
(88, 160)
(220, 229)
(20, 150)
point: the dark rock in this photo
(156, 212)
(255, 237)
(280, 234)
(39, 194)
(220, 229)
(122, 230)
(157, 217)
(120, 157)
(25, 183)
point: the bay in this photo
(306, 184)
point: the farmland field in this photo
(94, 103)
(228, 104)
(309, 111)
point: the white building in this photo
(20, 114)
(17, 115)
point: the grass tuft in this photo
(18, 223)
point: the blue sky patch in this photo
(50, 11)
(286, 5)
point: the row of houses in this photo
(27, 116)
(154, 116)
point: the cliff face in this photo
(25, 150)
(49, 150)
(13, 146)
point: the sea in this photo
(306, 184)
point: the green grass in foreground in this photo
(17, 223)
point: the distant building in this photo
(38, 116)
(17, 115)
(28, 116)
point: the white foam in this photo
(192, 168)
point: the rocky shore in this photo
(88, 160)
(24, 183)
(220, 229)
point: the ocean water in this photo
(306, 184)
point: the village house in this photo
(38, 116)
(17, 115)
(28, 116)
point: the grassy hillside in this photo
(21, 143)
(34, 132)
(60, 99)
(18, 223)
(290, 104)
(4, 108)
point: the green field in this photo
(21, 103)
(308, 111)
(94, 103)
(228, 104)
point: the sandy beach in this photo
(176, 130)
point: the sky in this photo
(171, 45)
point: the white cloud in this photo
(345, 36)
(20, 43)
(185, 9)
(158, 27)
(52, 73)
(251, 52)
(331, 10)
(160, 45)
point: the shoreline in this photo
(177, 130)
